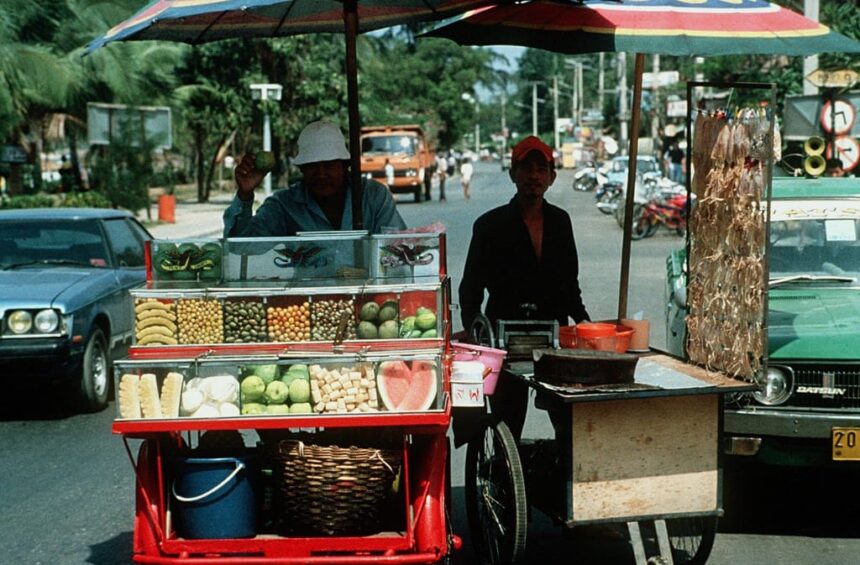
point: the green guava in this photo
(300, 391)
(277, 392)
(252, 388)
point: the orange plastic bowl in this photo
(623, 334)
(567, 337)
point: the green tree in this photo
(431, 77)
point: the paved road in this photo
(66, 483)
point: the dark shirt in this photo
(502, 261)
(676, 155)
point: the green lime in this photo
(264, 161)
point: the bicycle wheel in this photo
(496, 496)
(691, 538)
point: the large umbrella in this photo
(200, 21)
(672, 27)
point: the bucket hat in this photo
(321, 141)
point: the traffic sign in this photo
(838, 116)
(841, 78)
(848, 152)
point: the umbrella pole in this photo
(350, 23)
(631, 183)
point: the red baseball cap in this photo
(529, 144)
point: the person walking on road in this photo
(442, 173)
(321, 201)
(466, 170)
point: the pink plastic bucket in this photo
(490, 357)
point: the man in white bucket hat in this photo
(321, 201)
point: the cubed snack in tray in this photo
(343, 389)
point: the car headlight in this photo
(47, 321)
(775, 387)
(20, 322)
(411, 173)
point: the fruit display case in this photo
(328, 355)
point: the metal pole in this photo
(350, 24)
(555, 111)
(631, 185)
(622, 97)
(810, 10)
(655, 102)
(504, 127)
(600, 85)
(581, 90)
(477, 132)
(267, 145)
(534, 109)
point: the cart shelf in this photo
(421, 421)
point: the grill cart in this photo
(288, 401)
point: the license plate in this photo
(846, 444)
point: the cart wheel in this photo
(692, 539)
(481, 331)
(496, 495)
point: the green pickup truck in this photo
(807, 411)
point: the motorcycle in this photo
(608, 196)
(589, 177)
(670, 212)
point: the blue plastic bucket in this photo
(215, 498)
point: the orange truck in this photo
(404, 151)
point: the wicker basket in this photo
(333, 490)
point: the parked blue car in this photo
(65, 309)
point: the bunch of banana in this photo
(155, 322)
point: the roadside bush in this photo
(27, 201)
(89, 199)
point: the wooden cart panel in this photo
(645, 456)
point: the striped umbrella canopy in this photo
(671, 27)
(200, 21)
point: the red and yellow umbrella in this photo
(673, 27)
(670, 27)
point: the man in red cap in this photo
(523, 255)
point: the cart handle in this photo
(213, 490)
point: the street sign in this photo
(847, 151)
(12, 154)
(838, 117)
(663, 78)
(841, 78)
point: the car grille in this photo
(845, 377)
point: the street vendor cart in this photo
(289, 401)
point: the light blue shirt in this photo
(293, 210)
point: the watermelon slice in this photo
(403, 388)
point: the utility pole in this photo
(600, 85)
(534, 109)
(655, 102)
(504, 126)
(621, 70)
(555, 111)
(810, 10)
(581, 90)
